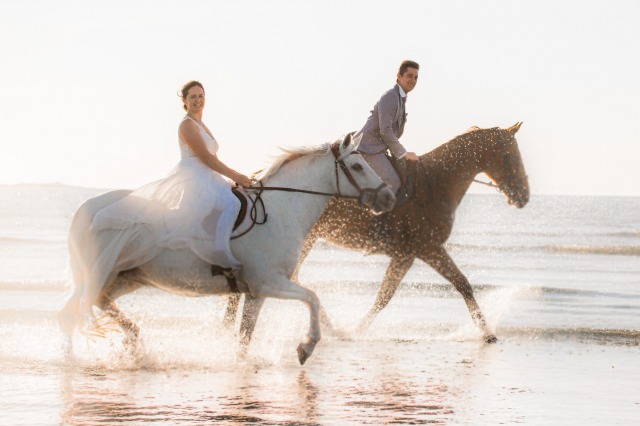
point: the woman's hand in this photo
(242, 180)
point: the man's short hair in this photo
(407, 64)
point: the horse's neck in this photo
(308, 173)
(454, 165)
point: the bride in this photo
(193, 207)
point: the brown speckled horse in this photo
(420, 228)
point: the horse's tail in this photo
(68, 317)
(83, 254)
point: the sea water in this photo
(559, 282)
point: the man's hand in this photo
(411, 156)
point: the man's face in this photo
(408, 80)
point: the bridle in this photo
(338, 161)
(507, 166)
(335, 149)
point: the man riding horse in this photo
(385, 126)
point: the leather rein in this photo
(335, 149)
(489, 184)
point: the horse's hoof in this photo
(364, 324)
(490, 338)
(328, 330)
(303, 356)
(133, 347)
(228, 325)
(67, 348)
(361, 328)
(243, 352)
(342, 335)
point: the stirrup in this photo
(229, 275)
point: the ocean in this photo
(559, 282)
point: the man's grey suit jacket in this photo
(385, 126)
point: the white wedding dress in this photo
(193, 207)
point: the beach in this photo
(559, 282)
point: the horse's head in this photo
(365, 183)
(506, 168)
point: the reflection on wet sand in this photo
(387, 393)
(91, 396)
(401, 388)
(392, 382)
(308, 393)
(396, 401)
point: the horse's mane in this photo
(462, 140)
(473, 129)
(290, 154)
(467, 132)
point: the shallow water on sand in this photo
(368, 380)
(559, 282)
(411, 367)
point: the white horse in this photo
(269, 252)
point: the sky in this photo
(89, 88)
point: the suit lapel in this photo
(400, 111)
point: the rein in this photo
(489, 184)
(336, 153)
(303, 191)
(335, 149)
(253, 213)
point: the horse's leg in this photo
(67, 319)
(233, 302)
(281, 287)
(442, 263)
(234, 299)
(397, 269)
(106, 302)
(309, 242)
(250, 313)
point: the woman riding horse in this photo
(268, 254)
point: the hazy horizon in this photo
(476, 189)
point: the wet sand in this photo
(397, 373)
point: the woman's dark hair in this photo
(185, 90)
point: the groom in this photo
(384, 127)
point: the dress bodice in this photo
(209, 140)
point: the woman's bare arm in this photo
(191, 135)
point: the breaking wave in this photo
(609, 250)
(624, 250)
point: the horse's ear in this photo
(513, 129)
(346, 141)
(357, 139)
